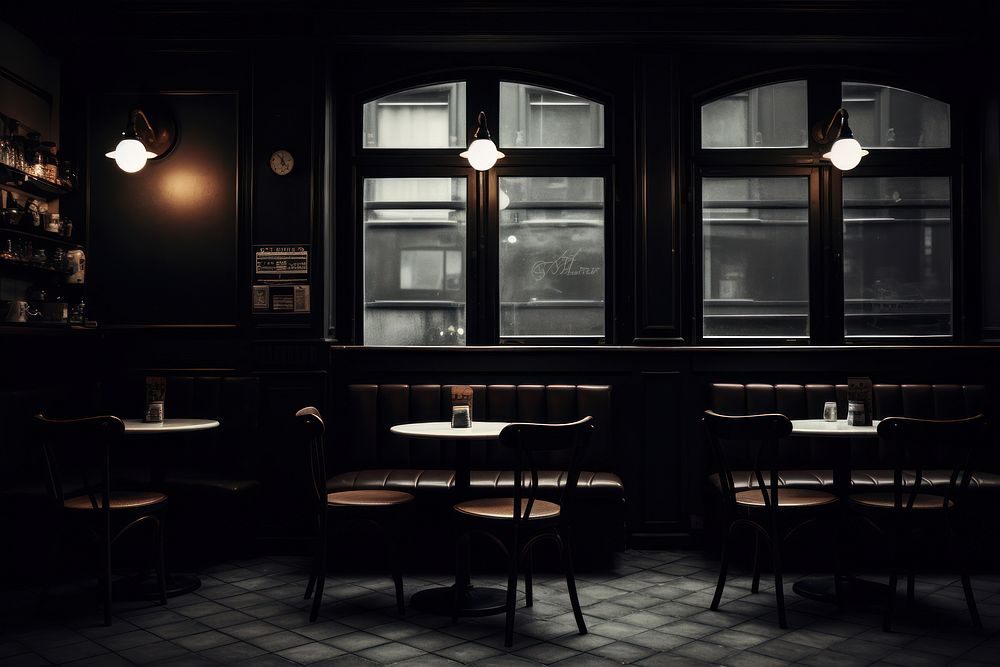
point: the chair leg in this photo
(970, 600)
(528, 558)
(392, 541)
(513, 558)
(161, 560)
(566, 552)
(755, 583)
(723, 568)
(106, 567)
(320, 574)
(311, 584)
(911, 585)
(890, 602)
(779, 589)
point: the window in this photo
(875, 261)
(543, 274)
(755, 243)
(414, 287)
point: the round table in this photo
(824, 589)
(472, 601)
(177, 584)
(173, 425)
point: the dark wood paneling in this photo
(163, 241)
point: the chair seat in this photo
(503, 508)
(787, 498)
(886, 501)
(367, 498)
(119, 501)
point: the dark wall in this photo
(170, 278)
(163, 242)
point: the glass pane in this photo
(414, 287)
(884, 117)
(897, 256)
(426, 117)
(533, 117)
(551, 256)
(755, 244)
(767, 117)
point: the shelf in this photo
(32, 186)
(8, 264)
(40, 236)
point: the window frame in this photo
(482, 207)
(826, 270)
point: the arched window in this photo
(426, 215)
(795, 249)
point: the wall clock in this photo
(281, 162)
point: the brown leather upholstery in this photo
(119, 501)
(807, 457)
(743, 479)
(787, 498)
(922, 501)
(591, 484)
(370, 457)
(368, 498)
(503, 508)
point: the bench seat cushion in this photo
(592, 485)
(743, 479)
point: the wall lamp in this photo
(141, 141)
(482, 152)
(846, 152)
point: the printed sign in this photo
(280, 260)
(281, 298)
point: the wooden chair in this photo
(516, 524)
(382, 509)
(77, 456)
(761, 507)
(912, 503)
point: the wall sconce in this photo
(846, 152)
(141, 141)
(482, 153)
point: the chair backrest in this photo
(311, 430)
(528, 441)
(916, 444)
(761, 433)
(77, 455)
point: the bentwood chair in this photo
(77, 456)
(912, 504)
(516, 524)
(764, 507)
(381, 509)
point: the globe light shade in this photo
(846, 153)
(130, 155)
(482, 154)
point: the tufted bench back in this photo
(927, 401)
(372, 409)
(234, 401)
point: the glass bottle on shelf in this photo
(34, 155)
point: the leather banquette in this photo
(366, 455)
(806, 460)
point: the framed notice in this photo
(281, 298)
(281, 261)
(860, 389)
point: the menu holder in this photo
(462, 395)
(156, 392)
(859, 390)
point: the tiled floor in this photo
(650, 609)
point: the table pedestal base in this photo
(472, 601)
(854, 593)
